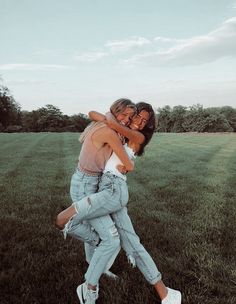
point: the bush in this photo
(13, 128)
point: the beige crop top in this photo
(91, 158)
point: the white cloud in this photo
(33, 67)
(125, 45)
(194, 51)
(90, 57)
(168, 40)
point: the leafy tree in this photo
(177, 119)
(164, 119)
(9, 110)
(80, 121)
(50, 118)
(194, 118)
(214, 122)
(230, 115)
(30, 121)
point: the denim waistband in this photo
(111, 174)
(87, 172)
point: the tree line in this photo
(46, 119)
(50, 118)
(196, 119)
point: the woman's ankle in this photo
(161, 289)
(92, 287)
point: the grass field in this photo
(182, 204)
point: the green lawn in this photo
(182, 204)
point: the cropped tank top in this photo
(114, 160)
(92, 159)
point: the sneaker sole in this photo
(179, 298)
(79, 291)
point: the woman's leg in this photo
(135, 251)
(108, 200)
(82, 230)
(80, 186)
(108, 246)
(112, 196)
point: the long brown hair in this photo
(150, 126)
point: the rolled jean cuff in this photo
(82, 208)
(156, 279)
(75, 206)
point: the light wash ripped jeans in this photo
(91, 231)
(82, 185)
(109, 203)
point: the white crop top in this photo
(114, 160)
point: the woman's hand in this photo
(121, 169)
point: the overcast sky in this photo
(82, 55)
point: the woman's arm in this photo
(132, 135)
(96, 116)
(112, 123)
(108, 136)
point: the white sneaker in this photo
(86, 296)
(173, 297)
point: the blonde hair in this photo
(120, 105)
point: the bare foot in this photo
(64, 216)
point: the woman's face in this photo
(139, 121)
(125, 116)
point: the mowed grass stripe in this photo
(42, 167)
(17, 149)
(10, 139)
(207, 227)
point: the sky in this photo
(83, 55)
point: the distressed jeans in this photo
(135, 251)
(110, 204)
(91, 231)
(82, 185)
